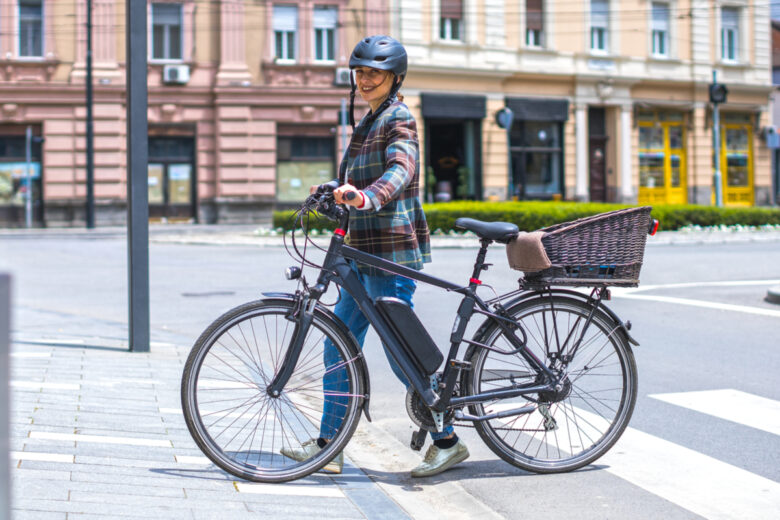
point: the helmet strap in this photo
(352, 100)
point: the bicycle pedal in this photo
(418, 439)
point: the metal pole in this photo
(343, 126)
(90, 209)
(137, 177)
(5, 416)
(716, 147)
(510, 121)
(28, 177)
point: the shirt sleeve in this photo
(368, 203)
(401, 156)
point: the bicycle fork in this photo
(303, 316)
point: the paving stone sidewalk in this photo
(97, 432)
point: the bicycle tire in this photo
(230, 366)
(590, 413)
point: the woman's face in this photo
(373, 84)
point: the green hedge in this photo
(534, 215)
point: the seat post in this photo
(479, 265)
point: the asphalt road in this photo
(694, 342)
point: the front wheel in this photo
(577, 424)
(246, 431)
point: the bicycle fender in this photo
(584, 297)
(363, 371)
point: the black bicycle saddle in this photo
(499, 231)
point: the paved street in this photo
(97, 432)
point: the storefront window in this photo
(537, 157)
(16, 180)
(737, 157)
(303, 162)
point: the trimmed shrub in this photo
(531, 215)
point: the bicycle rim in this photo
(570, 428)
(233, 419)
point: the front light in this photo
(292, 273)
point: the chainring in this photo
(420, 414)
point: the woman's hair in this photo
(399, 96)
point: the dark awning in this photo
(453, 106)
(539, 109)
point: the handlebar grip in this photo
(350, 195)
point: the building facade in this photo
(610, 101)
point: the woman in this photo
(381, 167)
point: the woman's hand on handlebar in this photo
(349, 195)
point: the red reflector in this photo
(340, 232)
(474, 280)
(654, 228)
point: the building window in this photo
(599, 25)
(660, 29)
(534, 23)
(303, 162)
(537, 160)
(451, 26)
(166, 31)
(31, 28)
(285, 31)
(729, 33)
(325, 22)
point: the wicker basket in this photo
(605, 249)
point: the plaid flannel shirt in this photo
(383, 161)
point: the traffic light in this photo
(718, 93)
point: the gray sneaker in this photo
(437, 460)
(308, 450)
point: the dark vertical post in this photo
(137, 175)
(5, 417)
(90, 209)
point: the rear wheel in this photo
(244, 430)
(578, 423)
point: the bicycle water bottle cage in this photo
(413, 337)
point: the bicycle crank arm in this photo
(459, 415)
(274, 389)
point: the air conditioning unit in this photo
(176, 74)
(341, 78)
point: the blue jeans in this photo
(347, 310)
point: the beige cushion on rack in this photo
(526, 252)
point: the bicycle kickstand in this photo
(418, 439)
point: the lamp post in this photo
(90, 209)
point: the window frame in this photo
(535, 38)
(41, 30)
(288, 36)
(599, 32)
(166, 44)
(660, 36)
(735, 33)
(446, 29)
(327, 43)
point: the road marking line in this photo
(104, 439)
(290, 489)
(701, 303)
(732, 283)
(41, 385)
(732, 405)
(188, 459)
(43, 457)
(30, 354)
(697, 482)
(692, 480)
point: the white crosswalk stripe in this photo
(732, 405)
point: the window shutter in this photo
(285, 18)
(166, 14)
(729, 17)
(325, 17)
(599, 13)
(452, 9)
(660, 16)
(533, 15)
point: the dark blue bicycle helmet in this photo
(383, 53)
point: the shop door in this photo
(452, 171)
(171, 179)
(662, 163)
(736, 164)
(16, 181)
(597, 154)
